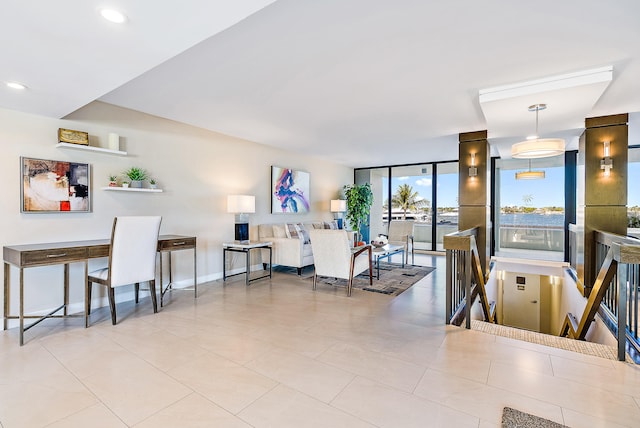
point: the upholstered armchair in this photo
(335, 257)
(132, 260)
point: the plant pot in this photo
(125, 185)
(113, 184)
(153, 186)
(136, 183)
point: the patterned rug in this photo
(394, 279)
(512, 418)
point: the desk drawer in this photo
(176, 244)
(53, 256)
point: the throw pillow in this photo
(291, 230)
(331, 225)
(302, 232)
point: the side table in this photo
(239, 247)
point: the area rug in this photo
(394, 279)
(512, 418)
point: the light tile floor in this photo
(277, 354)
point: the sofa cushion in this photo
(307, 250)
(279, 231)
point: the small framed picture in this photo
(50, 186)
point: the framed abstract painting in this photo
(50, 186)
(289, 191)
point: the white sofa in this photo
(289, 247)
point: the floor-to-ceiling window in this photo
(633, 192)
(378, 178)
(529, 220)
(423, 194)
(447, 201)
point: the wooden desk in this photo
(33, 255)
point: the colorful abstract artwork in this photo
(289, 191)
(54, 186)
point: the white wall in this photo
(196, 168)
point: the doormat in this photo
(394, 279)
(512, 418)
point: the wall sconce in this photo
(607, 163)
(241, 206)
(473, 170)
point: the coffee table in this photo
(386, 251)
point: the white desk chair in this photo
(334, 256)
(132, 260)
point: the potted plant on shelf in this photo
(359, 200)
(152, 183)
(113, 181)
(125, 184)
(136, 175)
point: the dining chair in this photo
(132, 260)
(334, 256)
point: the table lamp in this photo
(241, 206)
(338, 206)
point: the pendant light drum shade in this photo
(539, 148)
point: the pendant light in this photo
(537, 147)
(529, 174)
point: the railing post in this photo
(621, 288)
(467, 286)
(449, 286)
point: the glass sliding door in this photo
(446, 201)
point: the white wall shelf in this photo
(90, 149)
(132, 189)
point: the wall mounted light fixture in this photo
(473, 169)
(607, 163)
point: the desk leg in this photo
(21, 306)
(86, 293)
(161, 280)
(248, 266)
(195, 274)
(6, 295)
(66, 289)
(270, 262)
(224, 264)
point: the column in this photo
(602, 197)
(474, 189)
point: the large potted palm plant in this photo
(359, 200)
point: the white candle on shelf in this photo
(114, 141)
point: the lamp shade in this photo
(241, 204)
(338, 205)
(539, 148)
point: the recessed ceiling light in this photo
(16, 85)
(114, 16)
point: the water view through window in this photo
(530, 216)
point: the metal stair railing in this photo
(615, 293)
(465, 280)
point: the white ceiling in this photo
(360, 82)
